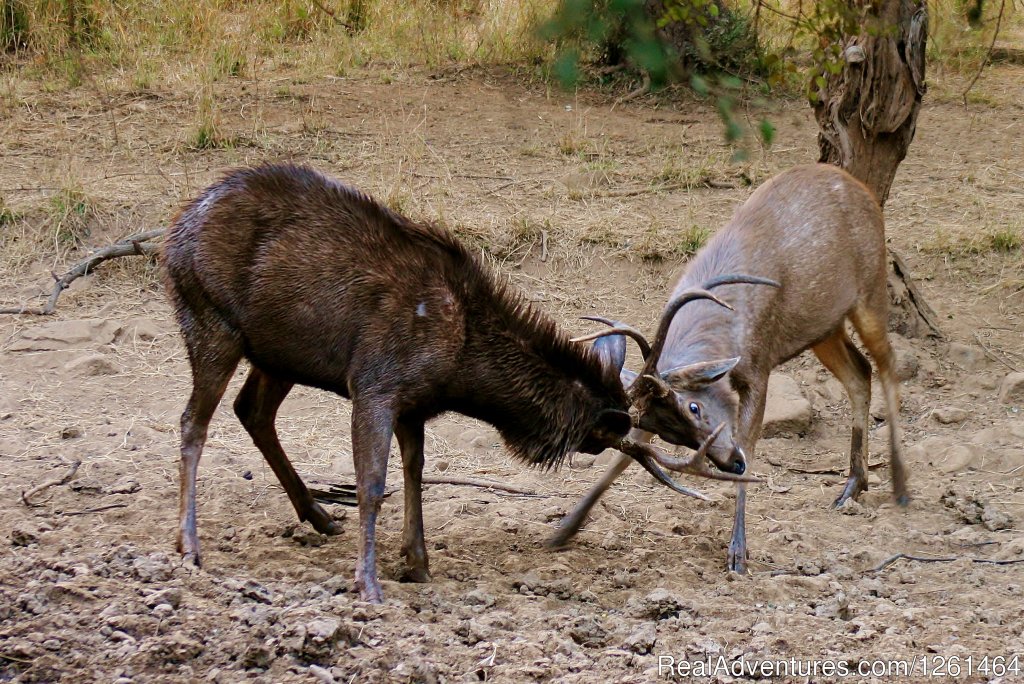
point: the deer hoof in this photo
(738, 560)
(321, 520)
(902, 500)
(191, 559)
(371, 592)
(415, 575)
(854, 487)
(560, 539)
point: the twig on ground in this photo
(140, 244)
(632, 192)
(52, 482)
(940, 559)
(992, 355)
(345, 494)
(474, 482)
(97, 509)
(644, 88)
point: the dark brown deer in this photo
(315, 283)
(819, 233)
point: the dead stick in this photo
(992, 355)
(474, 482)
(97, 509)
(333, 16)
(988, 55)
(129, 246)
(939, 559)
(52, 482)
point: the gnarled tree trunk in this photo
(867, 115)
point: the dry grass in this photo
(170, 93)
(141, 44)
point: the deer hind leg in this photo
(214, 352)
(414, 548)
(256, 407)
(747, 432)
(371, 440)
(838, 354)
(573, 521)
(870, 322)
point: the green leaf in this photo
(698, 83)
(567, 68)
(767, 132)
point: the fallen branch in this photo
(644, 88)
(345, 494)
(52, 482)
(820, 470)
(474, 482)
(97, 509)
(992, 355)
(133, 245)
(940, 559)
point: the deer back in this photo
(818, 232)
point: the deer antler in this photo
(697, 463)
(651, 457)
(616, 328)
(690, 295)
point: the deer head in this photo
(685, 405)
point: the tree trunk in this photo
(867, 115)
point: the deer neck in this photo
(702, 332)
(538, 408)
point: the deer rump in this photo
(317, 284)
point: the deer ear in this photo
(699, 375)
(612, 352)
(650, 386)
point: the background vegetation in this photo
(150, 41)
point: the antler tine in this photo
(689, 295)
(646, 455)
(739, 279)
(696, 463)
(616, 329)
(692, 294)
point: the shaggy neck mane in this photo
(522, 374)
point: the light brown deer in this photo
(819, 233)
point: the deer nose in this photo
(739, 467)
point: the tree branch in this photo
(940, 559)
(140, 244)
(988, 55)
(26, 496)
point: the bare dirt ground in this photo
(91, 589)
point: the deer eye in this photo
(695, 408)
